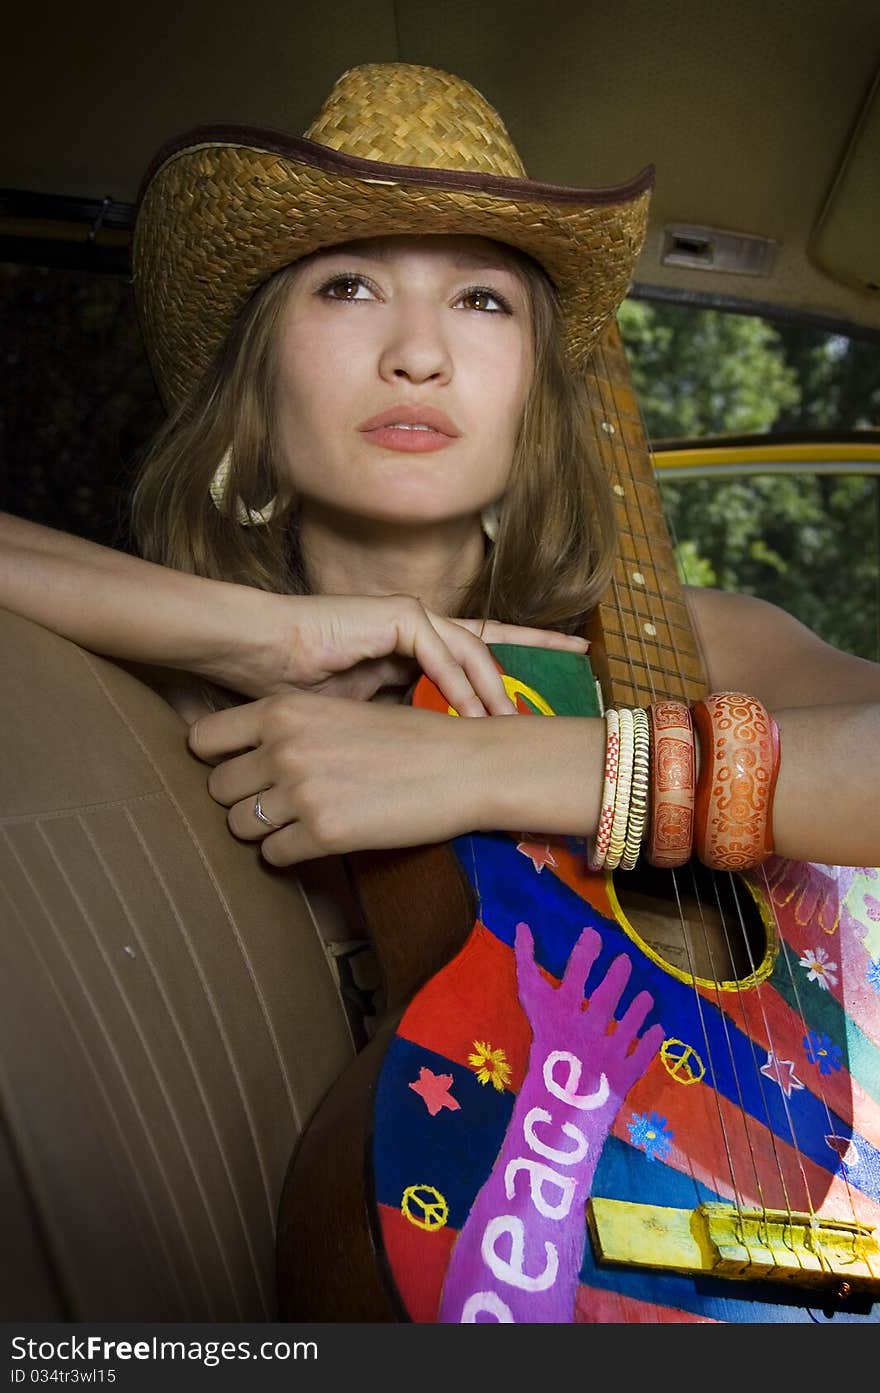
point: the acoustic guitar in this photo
(650, 1096)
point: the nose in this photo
(416, 349)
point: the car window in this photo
(77, 400)
(766, 444)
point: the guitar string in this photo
(752, 1043)
(819, 1090)
(742, 996)
(820, 1087)
(726, 931)
(621, 492)
(758, 998)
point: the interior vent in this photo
(714, 249)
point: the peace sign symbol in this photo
(682, 1061)
(424, 1206)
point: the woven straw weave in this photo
(218, 218)
(449, 125)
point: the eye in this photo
(346, 287)
(479, 297)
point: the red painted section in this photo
(596, 1307)
(422, 1256)
(479, 984)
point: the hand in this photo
(355, 645)
(339, 776)
(560, 1021)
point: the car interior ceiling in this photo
(762, 120)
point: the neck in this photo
(435, 563)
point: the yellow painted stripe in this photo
(807, 454)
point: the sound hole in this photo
(702, 922)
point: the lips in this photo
(407, 416)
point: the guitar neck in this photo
(643, 645)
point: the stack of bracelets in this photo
(652, 794)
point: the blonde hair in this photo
(553, 554)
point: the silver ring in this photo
(261, 816)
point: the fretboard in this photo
(643, 645)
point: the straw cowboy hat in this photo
(396, 148)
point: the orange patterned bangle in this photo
(739, 765)
(671, 820)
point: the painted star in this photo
(846, 1149)
(781, 1071)
(539, 853)
(433, 1089)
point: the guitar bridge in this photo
(742, 1244)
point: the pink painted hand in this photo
(518, 1256)
(564, 1026)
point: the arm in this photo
(827, 706)
(248, 640)
(404, 778)
(120, 605)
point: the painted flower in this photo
(822, 1050)
(491, 1066)
(650, 1134)
(873, 974)
(818, 968)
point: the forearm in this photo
(545, 775)
(826, 806)
(120, 605)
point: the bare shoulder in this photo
(752, 646)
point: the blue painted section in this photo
(453, 1151)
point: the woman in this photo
(352, 397)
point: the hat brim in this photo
(223, 209)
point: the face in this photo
(402, 371)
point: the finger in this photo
(366, 678)
(224, 733)
(291, 845)
(479, 665)
(527, 972)
(645, 1050)
(244, 822)
(580, 961)
(633, 1019)
(424, 642)
(607, 994)
(492, 631)
(240, 777)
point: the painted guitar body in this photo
(715, 1156)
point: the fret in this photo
(647, 555)
(635, 685)
(632, 572)
(652, 632)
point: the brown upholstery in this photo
(168, 1015)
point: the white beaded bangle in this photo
(617, 841)
(641, 779)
